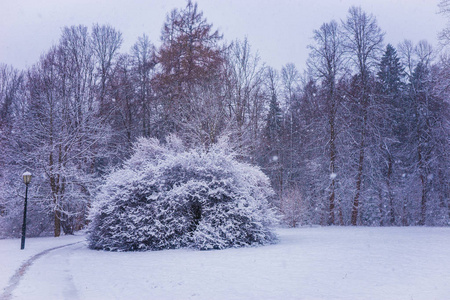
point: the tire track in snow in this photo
(15, 279)
(70, 291)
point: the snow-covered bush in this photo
(167, 197)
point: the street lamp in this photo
(26, 180)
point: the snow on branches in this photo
(167, 197)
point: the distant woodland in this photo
(361, 137)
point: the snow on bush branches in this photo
(167, 197)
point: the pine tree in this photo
(391, 125)
(274, 120)
(391, 72)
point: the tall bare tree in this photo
(363, 43)
(143, 54)
(245, 94)
(326, 62)
(69, 136)
(106, 42)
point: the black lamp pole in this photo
(26, 180)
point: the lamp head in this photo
(26, 177)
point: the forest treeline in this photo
(359, 138)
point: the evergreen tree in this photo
(274, 120)
(391, 124)
(391, 72)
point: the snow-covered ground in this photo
(307, 263)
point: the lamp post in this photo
(26, 180)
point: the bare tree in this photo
(363, 43)
(106, 43)
(69, 136)
(326, 62)
(245, 94)
(290, 78)
(290, 83)
(444, 35)
(272, 155)
(143, 55)
(209, 120)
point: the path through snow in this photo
(308, 263)
(15, 279)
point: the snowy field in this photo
(307, 263)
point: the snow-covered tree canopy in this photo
(167, 197)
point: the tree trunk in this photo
(390, 192)
(355, 206)
(57, 223)
(332, 195)
(404, 219)
(380, 206)
(423, 179)
(332, 165)
(423, 201)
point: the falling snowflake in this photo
(333, 176)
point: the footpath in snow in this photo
(13, 260)
(307, 263)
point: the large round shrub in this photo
(166, 197)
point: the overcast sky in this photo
(279, 30)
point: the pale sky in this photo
(279, 30)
